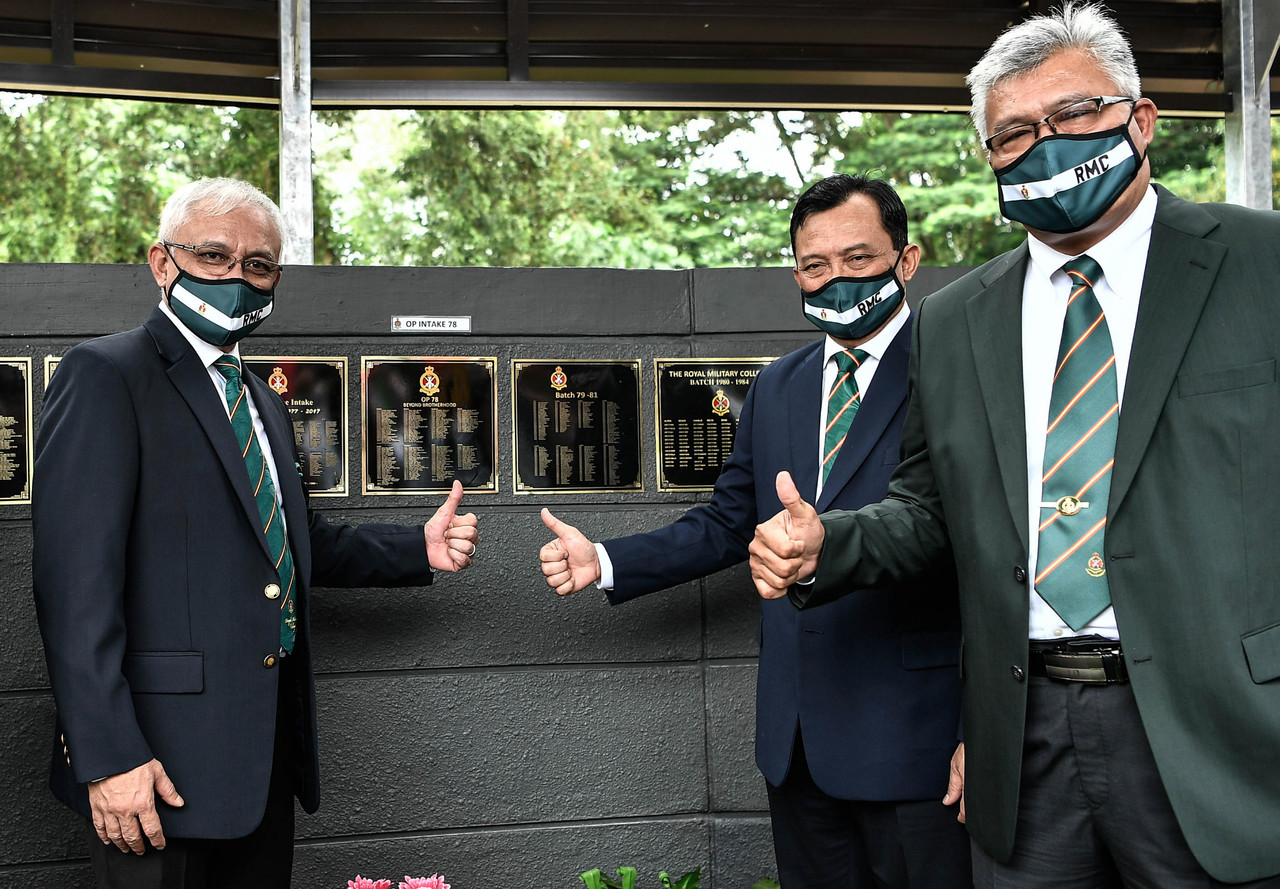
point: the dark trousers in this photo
(263, 859)
(1092, 812)
(826, 843)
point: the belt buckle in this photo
(1071, 667)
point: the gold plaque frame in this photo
(23, 415)
(367, 362)
(522, 489)
(340, 363)
(661, 364)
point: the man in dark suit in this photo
(1121, 654)
(174, 555)
(857, 704)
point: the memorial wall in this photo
(481, 727)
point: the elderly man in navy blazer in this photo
(857, 704)
(174, 557)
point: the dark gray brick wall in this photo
(481, 727)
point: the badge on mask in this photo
(854, 308)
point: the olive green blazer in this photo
(1193, 536)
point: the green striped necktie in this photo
(264, 493)
(1079, 451)
(842, 405)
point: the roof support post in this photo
(62, 32)
(295, 131)
(517, 40)
(1251, 33)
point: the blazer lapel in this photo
(995, 332)
(191, 378)
(804, 405)
(283, 451)
(1180, 271)
(875, 412)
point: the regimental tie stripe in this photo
(1079, 455)
(842, 406)
(264, 495)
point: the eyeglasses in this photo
(1078, 117)
(215, 259)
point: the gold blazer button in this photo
(272, 591)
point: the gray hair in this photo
(1086, 27)
(217, 197)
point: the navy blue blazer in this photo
(151, 572)
(871, 680)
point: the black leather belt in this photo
(1091, 659)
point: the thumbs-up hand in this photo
(786, 547)
(569, 562)
(451, 538)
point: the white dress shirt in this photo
(875, 349)
(208, 354)
(1123, 258)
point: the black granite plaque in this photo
(427, 421)
(577, 426)
(314, 389)
(15, 430)
(699, 402)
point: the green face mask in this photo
(854, 308)
(220, 311)
(1065, 182)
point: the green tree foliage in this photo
(84, 180)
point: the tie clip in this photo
(1065, 505)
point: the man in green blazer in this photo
(1092, 437)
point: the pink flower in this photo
(435, 881)
(365, 883)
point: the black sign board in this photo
(314, 389)
(699, 403)
(427, 421)
(15, 430)
(577, 426)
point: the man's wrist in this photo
(605, 568)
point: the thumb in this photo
(789, 496)
(449, 508)
(165, 789)
(554, 525)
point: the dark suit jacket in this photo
(1192, 533)
(150, 567)
(872, 679)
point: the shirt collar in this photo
(1115, 253)
(206, 352)
(876, 346)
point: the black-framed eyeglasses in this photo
(215, 259)
(1080, 116)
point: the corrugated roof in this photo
(906, 54)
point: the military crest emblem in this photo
(429, 382)
(720, 403)
(278, 381)
(1096, 568)
(559, 379)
